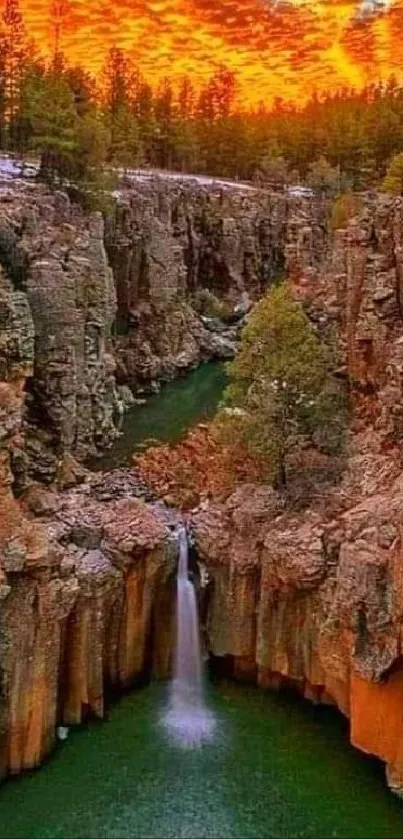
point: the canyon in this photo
(313, 597)
(94, 315)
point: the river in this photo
(278, 767)
(167, 415)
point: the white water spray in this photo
(187, 719)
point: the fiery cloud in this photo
(277, 48)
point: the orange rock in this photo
(377, 721)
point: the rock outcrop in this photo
(314, 597)
(85, 579)
(55, 259)
(120, 305)
(169, 242)
(87, 610)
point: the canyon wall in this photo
(87, 566)
(169, 242)
(313, 596)
(55, 259)
(85, 580)
(116, 307)
(86, 575)
(87, 610)
(310, 596)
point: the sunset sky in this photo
(277, 48)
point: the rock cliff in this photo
(86, 573)
(169, 242)
(55, 259)
(310, 596)
(313, 597)
(85, 576)
(119, 305)
(87, 610)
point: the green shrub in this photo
(207, 304)
(344, 209)
(393, 180)
(281, 389)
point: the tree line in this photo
(79, 127)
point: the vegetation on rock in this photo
(207, 304)
(283, 418)
(282, 393)
(196, 468)
(324, 178)
(393, 181)
(344, 208)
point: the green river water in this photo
(278, 767)
(167, 415)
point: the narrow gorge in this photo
(96, 316)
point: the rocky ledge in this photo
(313, 596)
(87, 607)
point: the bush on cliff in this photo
(324, 178)
(282, 393)
(343, 210)
(207, 304)
(393, 180)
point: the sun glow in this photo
(277, 48)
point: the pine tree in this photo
(125, 145)
(393, 181)
(165, 118)
(143, 107)
(59, 10)
(117, 80)
(186, 99)
(323, 177)
(53, 118)
(14, 56)
(281, 389)
(21, 128)
(94, 180)
(83, 88)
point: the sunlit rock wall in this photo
(313, 597)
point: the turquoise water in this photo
(278, 768)
(167, 415)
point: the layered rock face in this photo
(56, 259)
(86, 573)
(85, 579)
(314, 597)
(167, 242)
(87, 609)
(121, 303)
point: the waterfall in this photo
(187, 719)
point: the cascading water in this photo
(187, 719)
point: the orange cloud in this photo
(277, 48)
